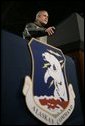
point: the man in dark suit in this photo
(37, 28)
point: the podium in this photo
(15, 65)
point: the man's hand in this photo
(50, 30)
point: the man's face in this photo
(43, 17)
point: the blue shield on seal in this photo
(48, 96)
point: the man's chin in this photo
(44, 23)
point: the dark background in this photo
(15, 62)
(15, 14)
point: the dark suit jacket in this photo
(33, 30)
